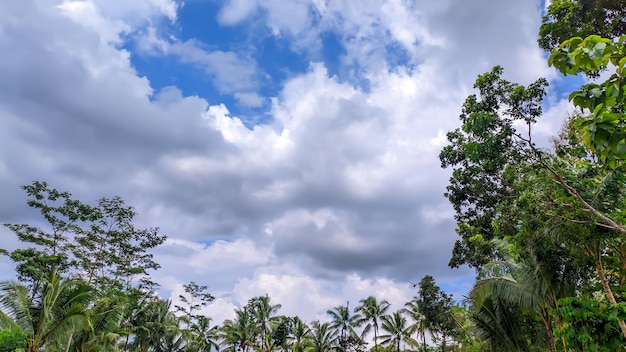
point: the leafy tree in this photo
(300, 335)
(49, 250)
(589, 325)
(13, 339)
(98, 243)
(485, 155)
(436, 307)
(239, 333)
(202, 336)
(580, 18)
(195, 299)
(262, 311)
(371, 313)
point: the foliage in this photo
(589, 325)
(13, 339)
(605, 126)
(580, 18)
(484, 154)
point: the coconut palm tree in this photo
(202, 336)
(398, 331)
(52, 319)
(532, 284)
(263, 313)
(418, 326)
(300, 334)
(106, 316)
(344, 322)
(371, 313)
(239, 334)
(322, 338)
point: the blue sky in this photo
(285, 147)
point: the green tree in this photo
(263, 313)
(371, 312)
(580, 18)
(398, 331)
(13, 339)
(300, 335)
(239, 333)
(344, 323)
(322, 338)
(51, 320)
(484, 154)
(436, 307)
(412, 309)
(196, 297)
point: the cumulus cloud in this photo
(338, 197)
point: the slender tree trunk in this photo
(549, 333)
(375, 338)
(608, 291)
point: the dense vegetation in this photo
(545, 230)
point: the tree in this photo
(398, 331)
(239, 333)
(51, 320)
(412, 309)
(371, 313)
(97, 243)
(262, 311)
(300, 335)
(344, 322)
(197, 298)
(485, 155)
(580, 18)
(436, 306)
(322, 338)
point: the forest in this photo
(544, 229)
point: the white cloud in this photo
(339, 197)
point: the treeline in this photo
(84, 285)
(545, 229)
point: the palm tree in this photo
(411, 308)
(105, 333)
(398, 331)
(534, 284)
(300, 333)
(263, 313)
(344, 322)
(322, 338)
(202, 336)
(372, 312)
(51, 320)
(238, 335)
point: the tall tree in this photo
(344, 323)
(371, 313)
(485, 155)
(412, 309)
(436, 306)
(398, 331)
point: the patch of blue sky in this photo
(562, 86)
(396, 55)
(332, 53)
(272, 57)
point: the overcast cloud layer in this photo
(335, 196)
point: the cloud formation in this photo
(338, 196)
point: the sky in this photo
(285, 147)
